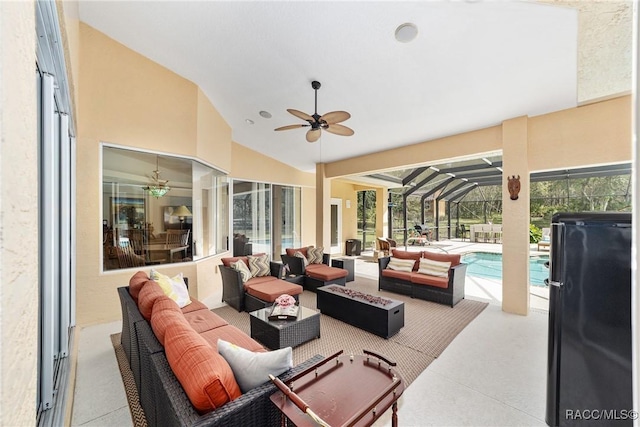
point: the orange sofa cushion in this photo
(147, 297)
(165, 312)
(136, 283)
(233, 335)
(204, 320)
(292, 251)
(454, 259)
(272, 289)
(425, 279)
(324, 272)
(404, 275)
(205, 376)
(258, 280)
(408, 255)
(194, 306)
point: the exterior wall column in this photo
(515, 218)
(382, 213)
(323, 208)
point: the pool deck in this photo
(478, 288)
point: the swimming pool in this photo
(489, 266)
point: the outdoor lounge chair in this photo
(545, 241)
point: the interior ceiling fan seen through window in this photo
(329, 121)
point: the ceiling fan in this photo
(329, 121)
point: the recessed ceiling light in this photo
(265, 114)
(406, 32)
(249, 121)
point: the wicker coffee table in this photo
(284, 333)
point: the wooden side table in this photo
(343, 390)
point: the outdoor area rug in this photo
(428, 329)
(137, 413)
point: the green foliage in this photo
(484, 204)
(535, 234)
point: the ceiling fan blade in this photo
(335, 117)
(339, 130)
(290, 127)
(313, 135)
(300, 114)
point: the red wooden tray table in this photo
(342, 390)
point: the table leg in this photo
(394, 414)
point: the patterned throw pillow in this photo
(259, 265)
(315, 255)
(400, 264)
(299, 254)
(434, 268)
(243, 269)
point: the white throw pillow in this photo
(299, 254)
(173, 287)
(400, 264)
(253, 369)
(434, 268)
(243, 269)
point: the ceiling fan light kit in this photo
(329, 121)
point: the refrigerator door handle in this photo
(554, 283)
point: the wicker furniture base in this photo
(384, 320)
(346, 264)
(312, 284)
(284, 333)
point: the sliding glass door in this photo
(266, 218)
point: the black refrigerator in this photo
(589, 355)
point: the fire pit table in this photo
(381, 316)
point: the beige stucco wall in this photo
(594, 134)
(18, 215)
(246, 164)
(213, 134)
(124, 99)
(515, 218)
(128, 100)
(308, 216)
(481, 141)
(346, 192)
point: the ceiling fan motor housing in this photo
(329, 121)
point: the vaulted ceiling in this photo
(473, 63)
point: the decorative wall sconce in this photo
(514, 186)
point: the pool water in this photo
(489, 266)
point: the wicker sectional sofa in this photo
(162, 394)
(444, 290)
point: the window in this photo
(266, 218)
(159, 209)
